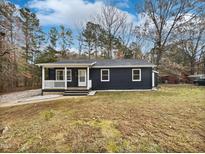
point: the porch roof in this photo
(100, 63)
(72, 63)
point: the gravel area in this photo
(14, 96)
(32, 99)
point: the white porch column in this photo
(88, 76)
(65, 77)
(43, 77)
(153, 80)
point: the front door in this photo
(81, 77)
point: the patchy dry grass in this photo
(171, 119)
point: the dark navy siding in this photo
(74, 82)
(51, 74)
(121, 78)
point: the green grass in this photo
(171, 119)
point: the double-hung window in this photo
(136, 74)
(59, 74)
(105, 75)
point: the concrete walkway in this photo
(25, 97)
(34, 99)
(31, 96)
(13, 96)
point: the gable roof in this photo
(102, 63)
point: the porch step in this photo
(76, 92)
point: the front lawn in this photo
(171, 119)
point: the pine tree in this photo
(53, 37)
(33, 37)
(32, 33)
(65, 40)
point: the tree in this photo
(33, 38)
(162, 19)
(53, 37)
(48, 56)
(8, 15)
(32, 34)
(136, 50)
(88, 36)
(192, 41)
(91, 37)
(126, 37)
(9, 27)
(111, 20)
(65, 40)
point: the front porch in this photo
(66, 78)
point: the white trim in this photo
(123, 66)
(50, 65)
(43, 77)
(63, 74)
(119, 90)
(79, 78)
(139, 74)
(70, 76)
(155, 72)
(65, 77)
(88, 76)
(65, 65)
(92, 63)
(153, 80)
(108, 75)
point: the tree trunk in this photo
(96, 52)
(158, 53)
(192, 66)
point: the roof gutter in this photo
(90, 65)
(65, 64)
(124, 66)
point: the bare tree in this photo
(192, 41)
(80, 26)
(112, 20)
(127, 34)
(162, 17)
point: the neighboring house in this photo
(76, 77)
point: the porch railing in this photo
(59, 84)
(52, 84)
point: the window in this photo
(105, 75)
(59, 74)
(136, 74)
(69, 75)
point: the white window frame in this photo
(63, 74)
(133, 74)
(108, 70)
(69, 70)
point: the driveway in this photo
(33, 99)
(25, 97)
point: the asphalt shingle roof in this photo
(117, 62)
(107, 62)
(75, 62)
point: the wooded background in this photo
(172, 36)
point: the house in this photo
(77, 77)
